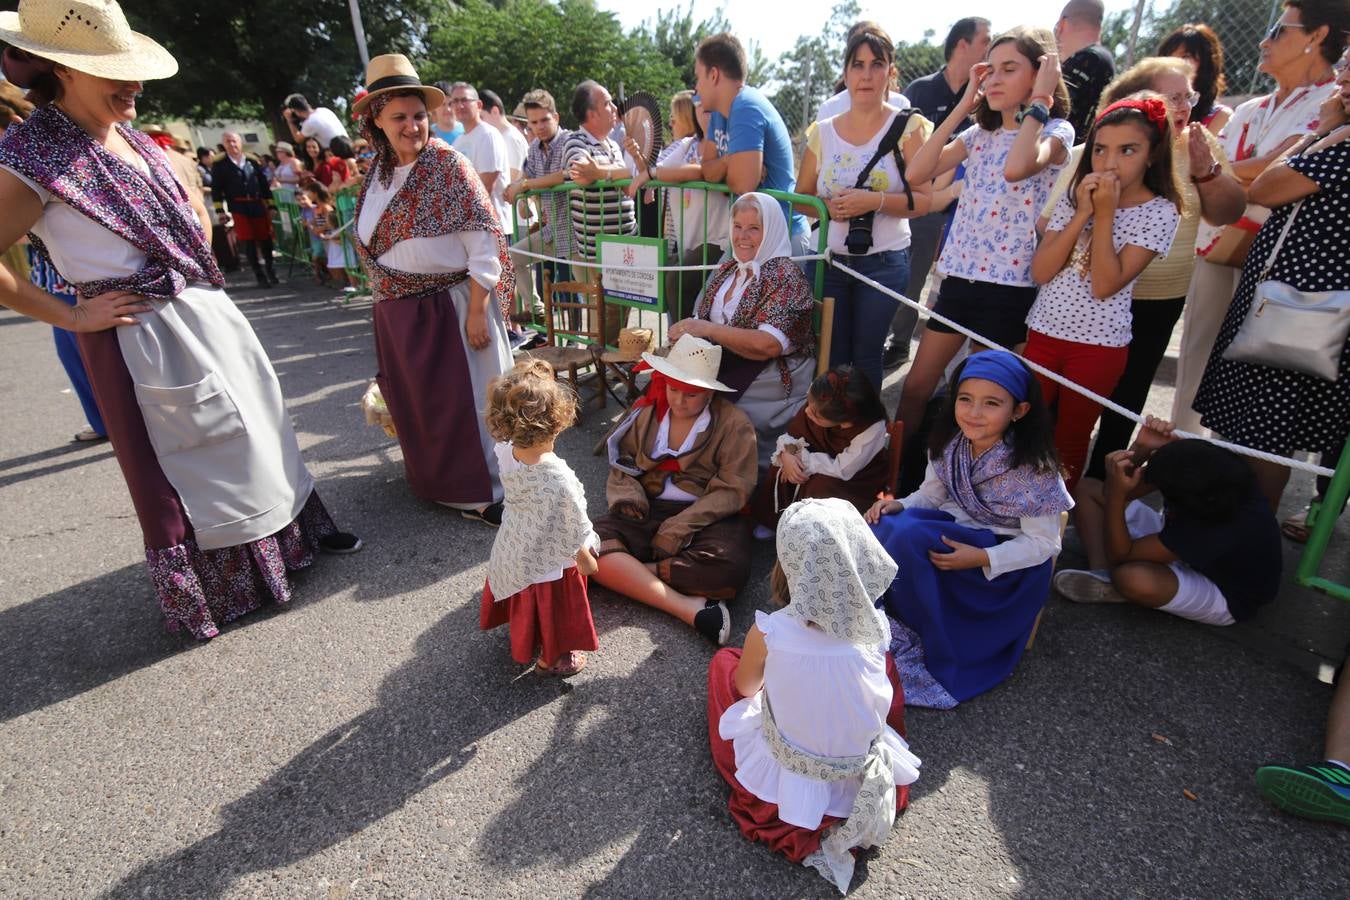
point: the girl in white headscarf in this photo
(758, 308)
(812, 752)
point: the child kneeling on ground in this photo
(1212, 555)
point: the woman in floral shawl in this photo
(434, 251)
(191, 404)
(975, 543)
(758, 308)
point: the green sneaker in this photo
(1313, 792)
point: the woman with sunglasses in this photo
(1298, 53)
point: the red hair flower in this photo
(1153, 109)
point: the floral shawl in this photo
(779, 296)
(151, 212)
(992, 491)
(443, 195)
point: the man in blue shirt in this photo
(748, 146)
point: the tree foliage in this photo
(243, 57)
(527, 44)
(1240, 25)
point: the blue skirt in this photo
(973, 629)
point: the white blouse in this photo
(1034, 540)
(843, 465)
(474, 250)
(726, 302)
(82, 249)
(830, 698)
(661, 447)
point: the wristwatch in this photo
(1208, 176)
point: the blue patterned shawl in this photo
(992, 491)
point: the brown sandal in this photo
(567, 664)
(1295, 527)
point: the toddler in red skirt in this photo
(536, 579)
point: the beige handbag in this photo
(1285, 328)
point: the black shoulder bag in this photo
(859, 238)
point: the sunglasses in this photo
(1277, 30)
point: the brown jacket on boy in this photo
(720, 470)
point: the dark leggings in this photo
(1153, 321)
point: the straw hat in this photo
(90, 36)
(179, 143)
(633, 342)
(394, 72)
(693, 361)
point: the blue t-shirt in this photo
(756, 125)
(448, 136)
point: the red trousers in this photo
(1095, 368)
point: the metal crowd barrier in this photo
(682, 242)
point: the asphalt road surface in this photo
(368, 740)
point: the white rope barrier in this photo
(1298, 465)
(596, 265)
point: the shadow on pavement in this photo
(424, 728)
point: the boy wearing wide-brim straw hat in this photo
(683, 464)
(90, 36)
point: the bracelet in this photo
(1037, 110)
(1209, 176)
(881, 200)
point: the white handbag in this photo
(1286, 328)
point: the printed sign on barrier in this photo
(629, 272)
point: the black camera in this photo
(859, 238)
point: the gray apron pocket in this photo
(189, 416)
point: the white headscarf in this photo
(774, 224)
(836, 569)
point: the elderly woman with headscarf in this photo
(806, 722)
(436, 258)
(191, 403)
(758, 308)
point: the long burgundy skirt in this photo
(552, 617)
(199, 590)
(757, 819)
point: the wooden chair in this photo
(559, 314)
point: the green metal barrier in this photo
(288, 225)
(675, 231)
(1322, 515)
(345, 204)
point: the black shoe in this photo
(272, 277)
(339, 542)
(488, 515)
(895, 355)
(262, 280)
(713, 621)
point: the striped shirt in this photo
(597, 210)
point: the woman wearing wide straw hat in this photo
(189, 397)
(431, 245)
(682, 466)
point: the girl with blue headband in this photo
(975, 543)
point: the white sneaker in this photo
(1086, 586)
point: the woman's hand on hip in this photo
(107, 310)
(476, 328)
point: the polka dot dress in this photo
(1277, 410)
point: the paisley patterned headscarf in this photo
(836, 569)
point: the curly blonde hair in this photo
(528, 406)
